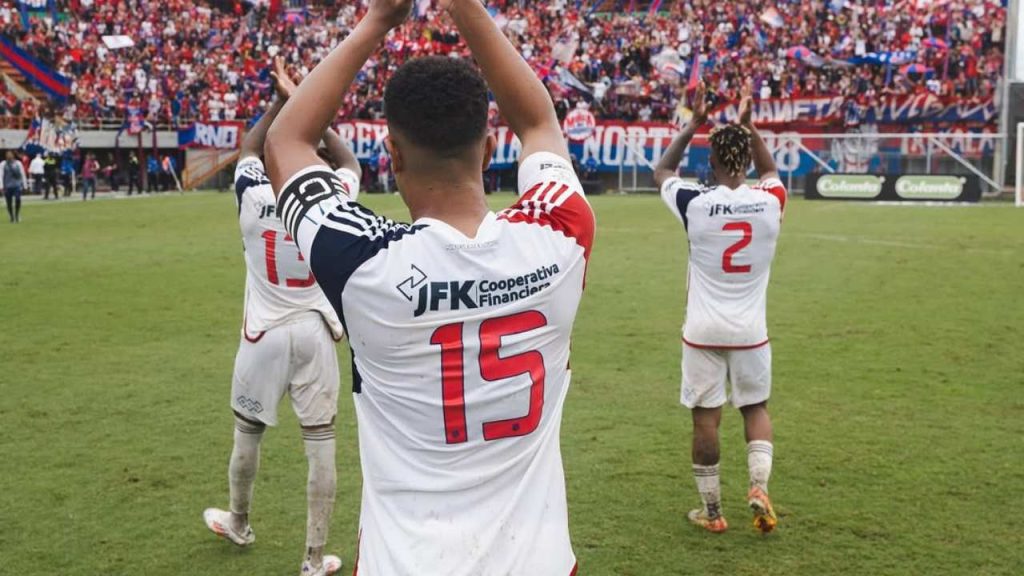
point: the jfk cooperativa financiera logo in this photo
(432, 296)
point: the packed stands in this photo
(192, 60)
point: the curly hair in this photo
(438, 103)
(731, 144)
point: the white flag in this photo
(118, 42)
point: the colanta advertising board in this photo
(894, 187)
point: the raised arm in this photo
(524, 101)
(340, 153)
(668, 166)
(252, 144)
(292, 142)
(764, 163)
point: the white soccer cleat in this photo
(219, 522)
(331, 565)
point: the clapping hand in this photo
(391, 13)
(283, 83)
(746, 103)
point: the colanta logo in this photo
(850, 186)
(432, 296)
(930, 187)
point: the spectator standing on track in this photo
(37, 169)
(133, 174)
(384, 171)
(152, 174)
(67, 173)
(50, 170)
(12, 174)
(89, 169)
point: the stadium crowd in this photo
(208, 60)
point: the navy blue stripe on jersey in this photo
(305, 192)
(346, 235)
(683, 198)
(251, 175)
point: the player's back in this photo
(732, 237)
(461, 351)
(279, 285)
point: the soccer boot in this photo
(699, 517)
(219, 522)
(765, 519)
(331, 565)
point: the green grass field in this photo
(898, 401)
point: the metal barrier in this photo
(799, 154)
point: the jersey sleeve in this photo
(351, 181)
(249, 173)
(334, 233)
(550, 195)
(774, 187)
(677, 195)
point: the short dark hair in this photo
(438, 103)
(731, 144)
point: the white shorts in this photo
(705, 371)
(297, 358)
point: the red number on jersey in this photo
(270, 248)
(492, 368)
(748, 234)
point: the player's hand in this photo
(700, 104)
(746, 103)
(391, 13)
(283, 84)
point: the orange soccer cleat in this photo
(765, 519)
(700, 518)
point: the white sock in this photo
(320, 487)
(709, 488)
(245, 462)
(759, 462)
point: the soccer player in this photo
(732, 230)
(460, 322)
(287, 347)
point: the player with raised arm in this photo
(287, 347)
(732, 230)
(460, 322)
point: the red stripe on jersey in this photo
(718, 347)
(778, 191)
(574, 567)
(245, 332)
(573, 217)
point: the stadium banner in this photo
(214, 135)
(609, 146)
(911, 109)
(894, 187)
(36, 72)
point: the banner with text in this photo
(216, 135)
(609, 146)
(911, 109)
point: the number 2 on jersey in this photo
(492, 369)
(270, 248)
(748, 234)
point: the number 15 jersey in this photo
(461, 366)
(732, 236)
(278, 284)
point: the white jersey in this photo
(732, 235)
(278, 282)
(461, 366)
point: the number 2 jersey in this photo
(461, 367)
(732, 236)
(278, 283)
